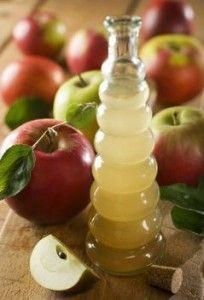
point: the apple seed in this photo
(60, 252)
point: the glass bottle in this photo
(124, 223)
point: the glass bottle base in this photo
(122, 262)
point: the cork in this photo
(167, 278)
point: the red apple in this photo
(167, 16)
(30, 76)
(86, 50)
(176, 64)
(179, 145)
(61, 178)
(41, 33)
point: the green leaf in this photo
(185, 196)
(83, 115)
(26, 109)
(201, 183)
(15, 169)
(188, 220)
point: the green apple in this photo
(76, 102)
(56, 268)
(179, 145)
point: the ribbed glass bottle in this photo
(124, 221)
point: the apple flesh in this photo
(56, 268)
(61, 178)
(87, 50)
(176, 65)
(167, 16)
(41, 33)
(179, 145)
(74, 93)
(30, 76)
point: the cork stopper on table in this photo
(167, 278)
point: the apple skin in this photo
(176, 65)
(166, 16)
(32, 76)
(60, 181)
(70, 95)
(87, 50)
(179, 145)
(41, 33)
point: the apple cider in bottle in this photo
(124, 223)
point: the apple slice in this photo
(54, 267)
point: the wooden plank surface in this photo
(3, 213)
(83, 14)
(18, 236)
(198, 6)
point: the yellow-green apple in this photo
(30, 76)
(86, 50)
(61, 178)
(55, 267)
(176, 64)
(179, 145)
(76, 100)
(41, 33)
(166, 16)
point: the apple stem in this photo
(49, 133)
(82, 81)
(174, 46)
(175, 119)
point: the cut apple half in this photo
(54, 267)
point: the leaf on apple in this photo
(82, 116)
(26, 109)
(188, 220)
(185, 196)
(188, 212)
(16, 165)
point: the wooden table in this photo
(17, 236)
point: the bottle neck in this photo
(122, 61)
(122, 45)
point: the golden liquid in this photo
(125, 234)
(124, 149)
(124, 217)
(109, 120)
(114, 206)
(124, 178)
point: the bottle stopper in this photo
(167, 278)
